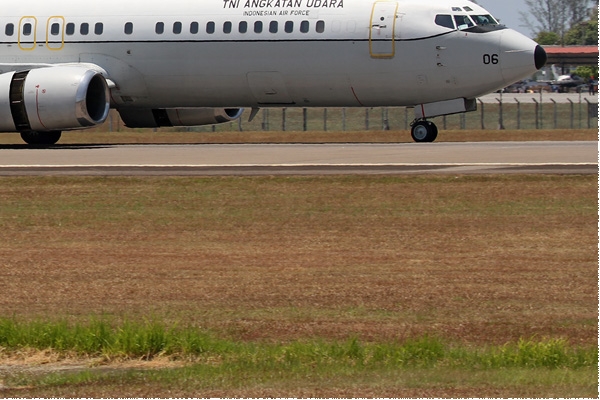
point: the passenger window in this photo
(273, 27)
(258, 27)
(463, 22)
(177, 28)
(210, 28)
(55, 29)
(70, 29)
(320, 26)
(194, 28)
(10, 30)
(99, 28)
(160, 28)
(129, 28)
(84, 29)
(445, 21)
(289, 26)
(227, 26)
(243, 27)
(304, 26)
(27, 29)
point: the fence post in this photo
(580, 109)
(265, 121)
(304, 119)
(589, 120)
(541, 111)
(325, 119)
(344, 119)
(367, 119)
(283, 121)
(554, 117)
(385, 122)
(537, 114)
(500, 114)
(482, 114)
(571, 101)
(518, 113)
(405, 118)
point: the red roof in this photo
(588, 50)
(573, 55)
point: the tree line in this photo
(563, 22)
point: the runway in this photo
(303, 159)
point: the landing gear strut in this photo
(35, 138)
(423, 131)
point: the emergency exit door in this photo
(55, 33)
(27, 33)
(383, 29)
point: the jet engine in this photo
(154, 118)
(53, 99)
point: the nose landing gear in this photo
(423, 131)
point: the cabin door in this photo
(55, 33)
(382, 42)
(27, 33)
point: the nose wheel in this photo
(424, 131)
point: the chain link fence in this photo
(489, 116)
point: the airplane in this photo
(564, 82)
(65, 63)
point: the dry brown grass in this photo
(481, 260)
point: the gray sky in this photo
(507, 11)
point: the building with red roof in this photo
(572, 55)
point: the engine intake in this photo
(53, 99)
(154, 118)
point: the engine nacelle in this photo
(53, 99)
(154, 118)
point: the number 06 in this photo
(490, 59)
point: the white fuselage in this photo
(255, 53)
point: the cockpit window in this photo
(484, 20)
(444, 20)
(463, 22)
(467, 8)
(456, 9)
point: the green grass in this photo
(529, 367)
(217, 381)
(101, 337)
(437, 286)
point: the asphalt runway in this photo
(578, 157)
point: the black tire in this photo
(424, 132)
(35, 138)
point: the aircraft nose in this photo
(520, 56)
(540, 57)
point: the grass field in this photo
(300, 286)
